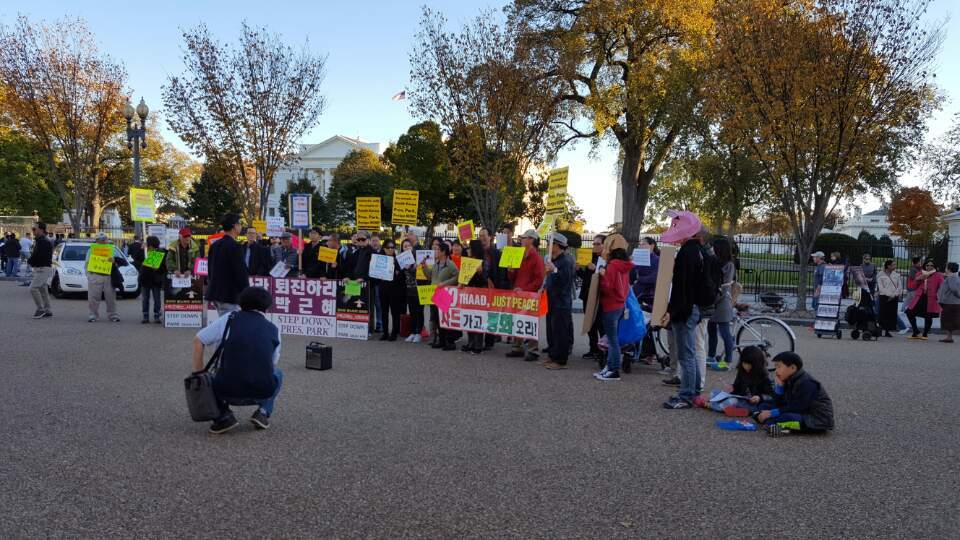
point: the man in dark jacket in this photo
(312, 267)
(226, 271)
(799, 401)
(256, 256)
(360, 258)
(559, 287)
(136, 252)
(683, 311)
(41, 260)
(334, 270)
(12, 250)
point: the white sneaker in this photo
(416, 338)
(601, 373)
(904, 331)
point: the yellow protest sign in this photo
(327, 255)
(468, 267)
(425, 293)
(421, 276)
(511, 257)
(368, 212)
(544, 229)
(260, 225)
(557, 191)
(101, 259)
(465, 231)
(584, 256)
(141, 205)
(405, 204)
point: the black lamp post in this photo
(136, 139)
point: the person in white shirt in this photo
(889, 291)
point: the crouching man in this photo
(247, 373)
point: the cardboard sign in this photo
(279, 270)
(544, 229)
(425, 293)
(157, 229)
(153, 259)
(327, 255)
(590, 307)
(381, 267)
(200, 266)
(142, 205)
(511, 257)
(406, 259)
(465, 231)
(661, 297)
(468, 267)
(101, 259)
(275, 226)
(260, 225)
(584, 256)
(640, 257)
(557, 191)
(368, 212)
(300, 205)
(405, 205)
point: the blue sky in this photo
(368, 45)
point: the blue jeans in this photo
(13, 266)
(611, 324)
(147, 292)
(722, 328)
(266, 405)
(377, 307)
(685, 332)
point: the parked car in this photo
(69, 276)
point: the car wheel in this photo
(55, 288)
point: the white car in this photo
(69, 275)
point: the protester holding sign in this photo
(559, 287)
(287, 255)
(477, 279)
(614, 289)
(182, 253)
(359, 261)
(225, 268)
(392, 294)
(412, 298)
(152, 274)
(256, 256)
(529, 278)
(311, 255)
(334, 269)
(99, 265)
(443, 272)
(41, 261)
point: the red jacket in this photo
(529, 277)
(615, 285)
(927, 287)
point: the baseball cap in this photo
(185, 232)
(683, 225)
(363, 234)
(286, 235)
(559, 239)
(817, 254)
(101, 237)
(531, 233)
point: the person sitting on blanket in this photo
(752, 383)
(799, 402)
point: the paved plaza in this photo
(400, 440)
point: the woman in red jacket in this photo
(923, 303)
(614, 289)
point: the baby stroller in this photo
(862, 318)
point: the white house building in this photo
(315, 162)
(874, 222)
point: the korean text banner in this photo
(493, 311)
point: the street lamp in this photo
(136, 138)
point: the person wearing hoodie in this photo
(614, 289)
(800, 403)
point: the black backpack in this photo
(709, 289)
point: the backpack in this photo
(709, 289)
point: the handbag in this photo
(633, 325)
(201, 401)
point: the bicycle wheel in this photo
(662, 342)
(770, 334)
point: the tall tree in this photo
(362, 173)
(627, 71)
(831, 97)
(482, 86)
(914, 215)
(213, 195)
(421, 161)
(67, 96)
(246, 106)
(943, 157)
(23, 179)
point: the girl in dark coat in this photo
(151, 280)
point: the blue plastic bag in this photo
(633, 325)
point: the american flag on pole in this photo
(400, 96)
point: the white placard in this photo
(279, 270)
(172, 236)
(406, 259)
(275, 226)
(501, 240)
(425, 255)
(157, 229)
(641, 257)
(182, 319)
(381, 267)
(601, 263)
(180, 282)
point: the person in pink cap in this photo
(687, 297)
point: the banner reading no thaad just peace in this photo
(493, 311)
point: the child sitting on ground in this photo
(752, 382)
(799, 401)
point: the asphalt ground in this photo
(398, 440)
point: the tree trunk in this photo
(804, 248)
(96, 211)
(634, 192)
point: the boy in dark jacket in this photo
(799, 401)
(151, 280)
